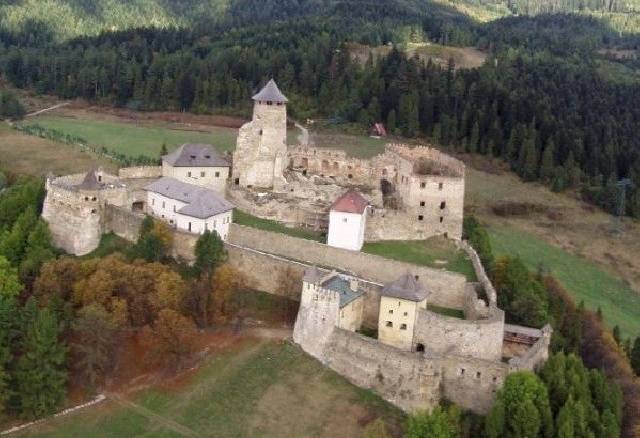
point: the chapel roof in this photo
(350, 202)
(201, 203)
(196, 155)
(406, 288)
(270, 93)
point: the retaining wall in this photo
(447, 288)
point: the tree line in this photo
(67, 320)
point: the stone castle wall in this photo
(140, 172)
(461, 337)
(407, 380)
(447, 288)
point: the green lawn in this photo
(435, 253)
(134, 140)
(242, 218)
(582, 278)
(261, 389)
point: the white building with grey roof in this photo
(198, 164)
(188, 207)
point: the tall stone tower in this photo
(261, 151)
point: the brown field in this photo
(564, 221)
(20, 153)
(464, 57)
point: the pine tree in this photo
(474, 140)
(41, 373)
(635, 356)
(210, 253)
(547, 165)
(9, 323)
(616, 334)
(391, 121)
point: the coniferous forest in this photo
(541, 102)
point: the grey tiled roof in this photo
(271, 93)
(342, 286)
(90, 182)
(201, 203)
(196, 155)
(405, 288)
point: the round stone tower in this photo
(261, 151)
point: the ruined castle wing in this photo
(270, 93)
(196, 155)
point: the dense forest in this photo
(541, 102)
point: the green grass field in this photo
(258, 388)
(583, 279)
(242, 218)
(435, 253)
(134, 140)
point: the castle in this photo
(416, 335)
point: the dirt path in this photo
(51, 108)
(303, 138)
(159, 419)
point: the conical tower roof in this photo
(406, 288)
(90, 182)
(271, 93)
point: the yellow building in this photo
(399, 304)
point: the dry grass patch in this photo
(31, 155)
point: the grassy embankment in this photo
(257, 388)
(583, 279)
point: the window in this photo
(189, 174)
(99, 178)
(398, 303)
(390, 311)
(163, 206)
(421, 217)
(214, 224)
(86, 198)
(217, 174)
(389, 324)
(403, 326)
(202, 174)
(443, 205)
(153, 201)
(440, 186)
(94, 199)
(441, 219)
(494, 379)
(189, 226)
(478, 374)
(350, 176)
(420, 347)
(417, 277)
(174, 208)
(422, 203)
(344, 219)
(406, 313)
(423, 185)
(206, 226)
(93, 211)
(237, 181)
(462, 371)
